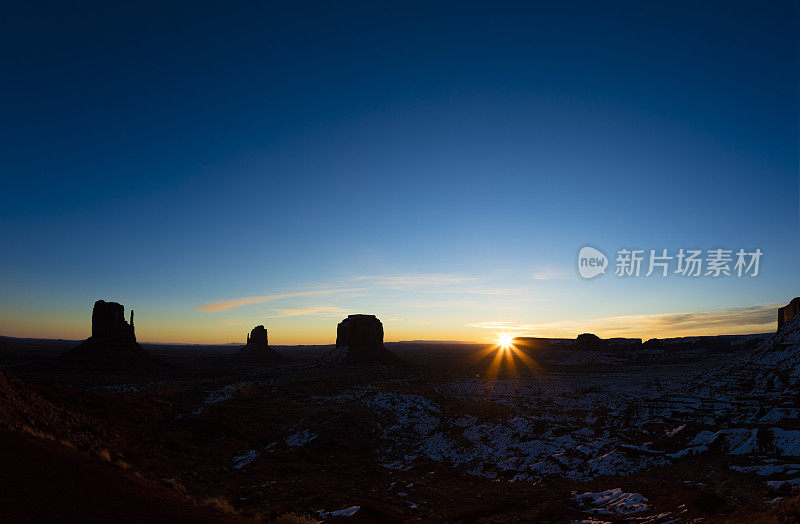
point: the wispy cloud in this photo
(719, 322)
(744, 316)
(327, 311)
(410, 280)
(237, 322)
(502, 324)
(453, 284)
(244, 301)
(549, 273)
(438, 304)
(323, 311)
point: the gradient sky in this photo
(436, 164)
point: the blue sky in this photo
(431, 164)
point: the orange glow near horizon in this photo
(317, 325)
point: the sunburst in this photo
(506, 355)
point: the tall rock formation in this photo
(788, 312)
(108, 323)
(359, 340)
(112, 349)
(257, 349)
(774, 366)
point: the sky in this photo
(215, 166)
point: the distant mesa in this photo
(584, 342)
(359, 340)
(635, 348)
(589, 341)
(112, 348)
(257, 348)
(788, 312)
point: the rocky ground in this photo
(712, 439)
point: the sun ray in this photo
(509, 357)
(483, 353)
(494, 367)
(504, 356)
(528, 361)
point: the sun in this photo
(504, 355)
(504, 340)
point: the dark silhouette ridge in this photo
(787, 312)
(359, 340)
(583, 342)
(257, 348)
(590, 342)
(112, 348)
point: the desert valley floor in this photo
(451, 437)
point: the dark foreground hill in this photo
(54, 469)
(44, 481)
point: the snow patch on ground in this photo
(745, 441)
(413, 426)
(300, 438)
(766, 469)
(787, 441)
(613, 502)
(346, 512)
(247, 458)
(223, 394)
(780, 483)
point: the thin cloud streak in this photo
(244, 301)
(237, 322)
(330, 311)
(415, 279)
(327, 311)
(550, 273)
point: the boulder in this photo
(257, 349)
(359, 340)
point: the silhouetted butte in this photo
(257, 348)
(359, 340)
(112, 348)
